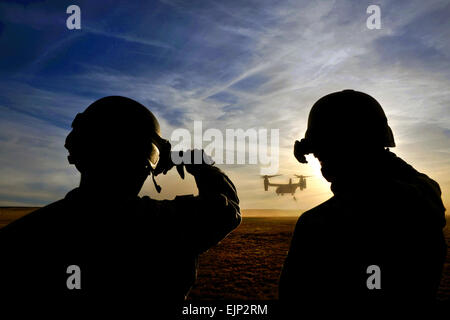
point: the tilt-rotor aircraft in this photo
(283, 188)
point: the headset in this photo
(302, 148)
(164, 162)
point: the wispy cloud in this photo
(128, 38)
(234, 64)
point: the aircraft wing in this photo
(277, 184)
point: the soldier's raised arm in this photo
(200, 222)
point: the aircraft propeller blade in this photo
(266, 176)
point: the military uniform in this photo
(379, 239)
(385, 214)
(136, 248)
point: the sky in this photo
(230, 64)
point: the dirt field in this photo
(246, 265)
(9, 214)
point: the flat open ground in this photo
(246, 265)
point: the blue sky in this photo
(231, 64)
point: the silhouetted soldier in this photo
(383, 214)
(126, 247)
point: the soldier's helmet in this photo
(345, 119)
(113, 128)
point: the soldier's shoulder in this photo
(34, 219)
(321, 213)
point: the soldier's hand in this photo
(198, 160)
